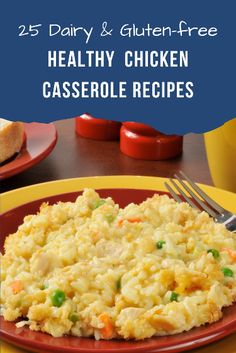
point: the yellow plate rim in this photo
(17, 197)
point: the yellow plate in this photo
(11, 199)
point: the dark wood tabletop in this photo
(75, 156)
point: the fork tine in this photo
(205, 197)
(185, 196)
(173, 193)
(196, 198)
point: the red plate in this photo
(41, 342)
(40, 141)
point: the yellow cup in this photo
(221, 154)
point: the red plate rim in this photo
(24, 160)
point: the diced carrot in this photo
(16, 286)
(70, 294)
(120, 222)
(131, 220)
(231, 253)
(134, 220)
(107, 331)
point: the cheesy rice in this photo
(90, 268)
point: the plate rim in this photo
(181, 347)
(16, 197)
(30, 162)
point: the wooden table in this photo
(75, 156)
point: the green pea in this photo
(160, 244)
(110, 218)
(227, 272)
(118, 284)
(58, 298)
(98, 203)
(174, 297)
(215, 253)
(74, 317)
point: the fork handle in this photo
(230, 224)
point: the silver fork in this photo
(202, 200)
